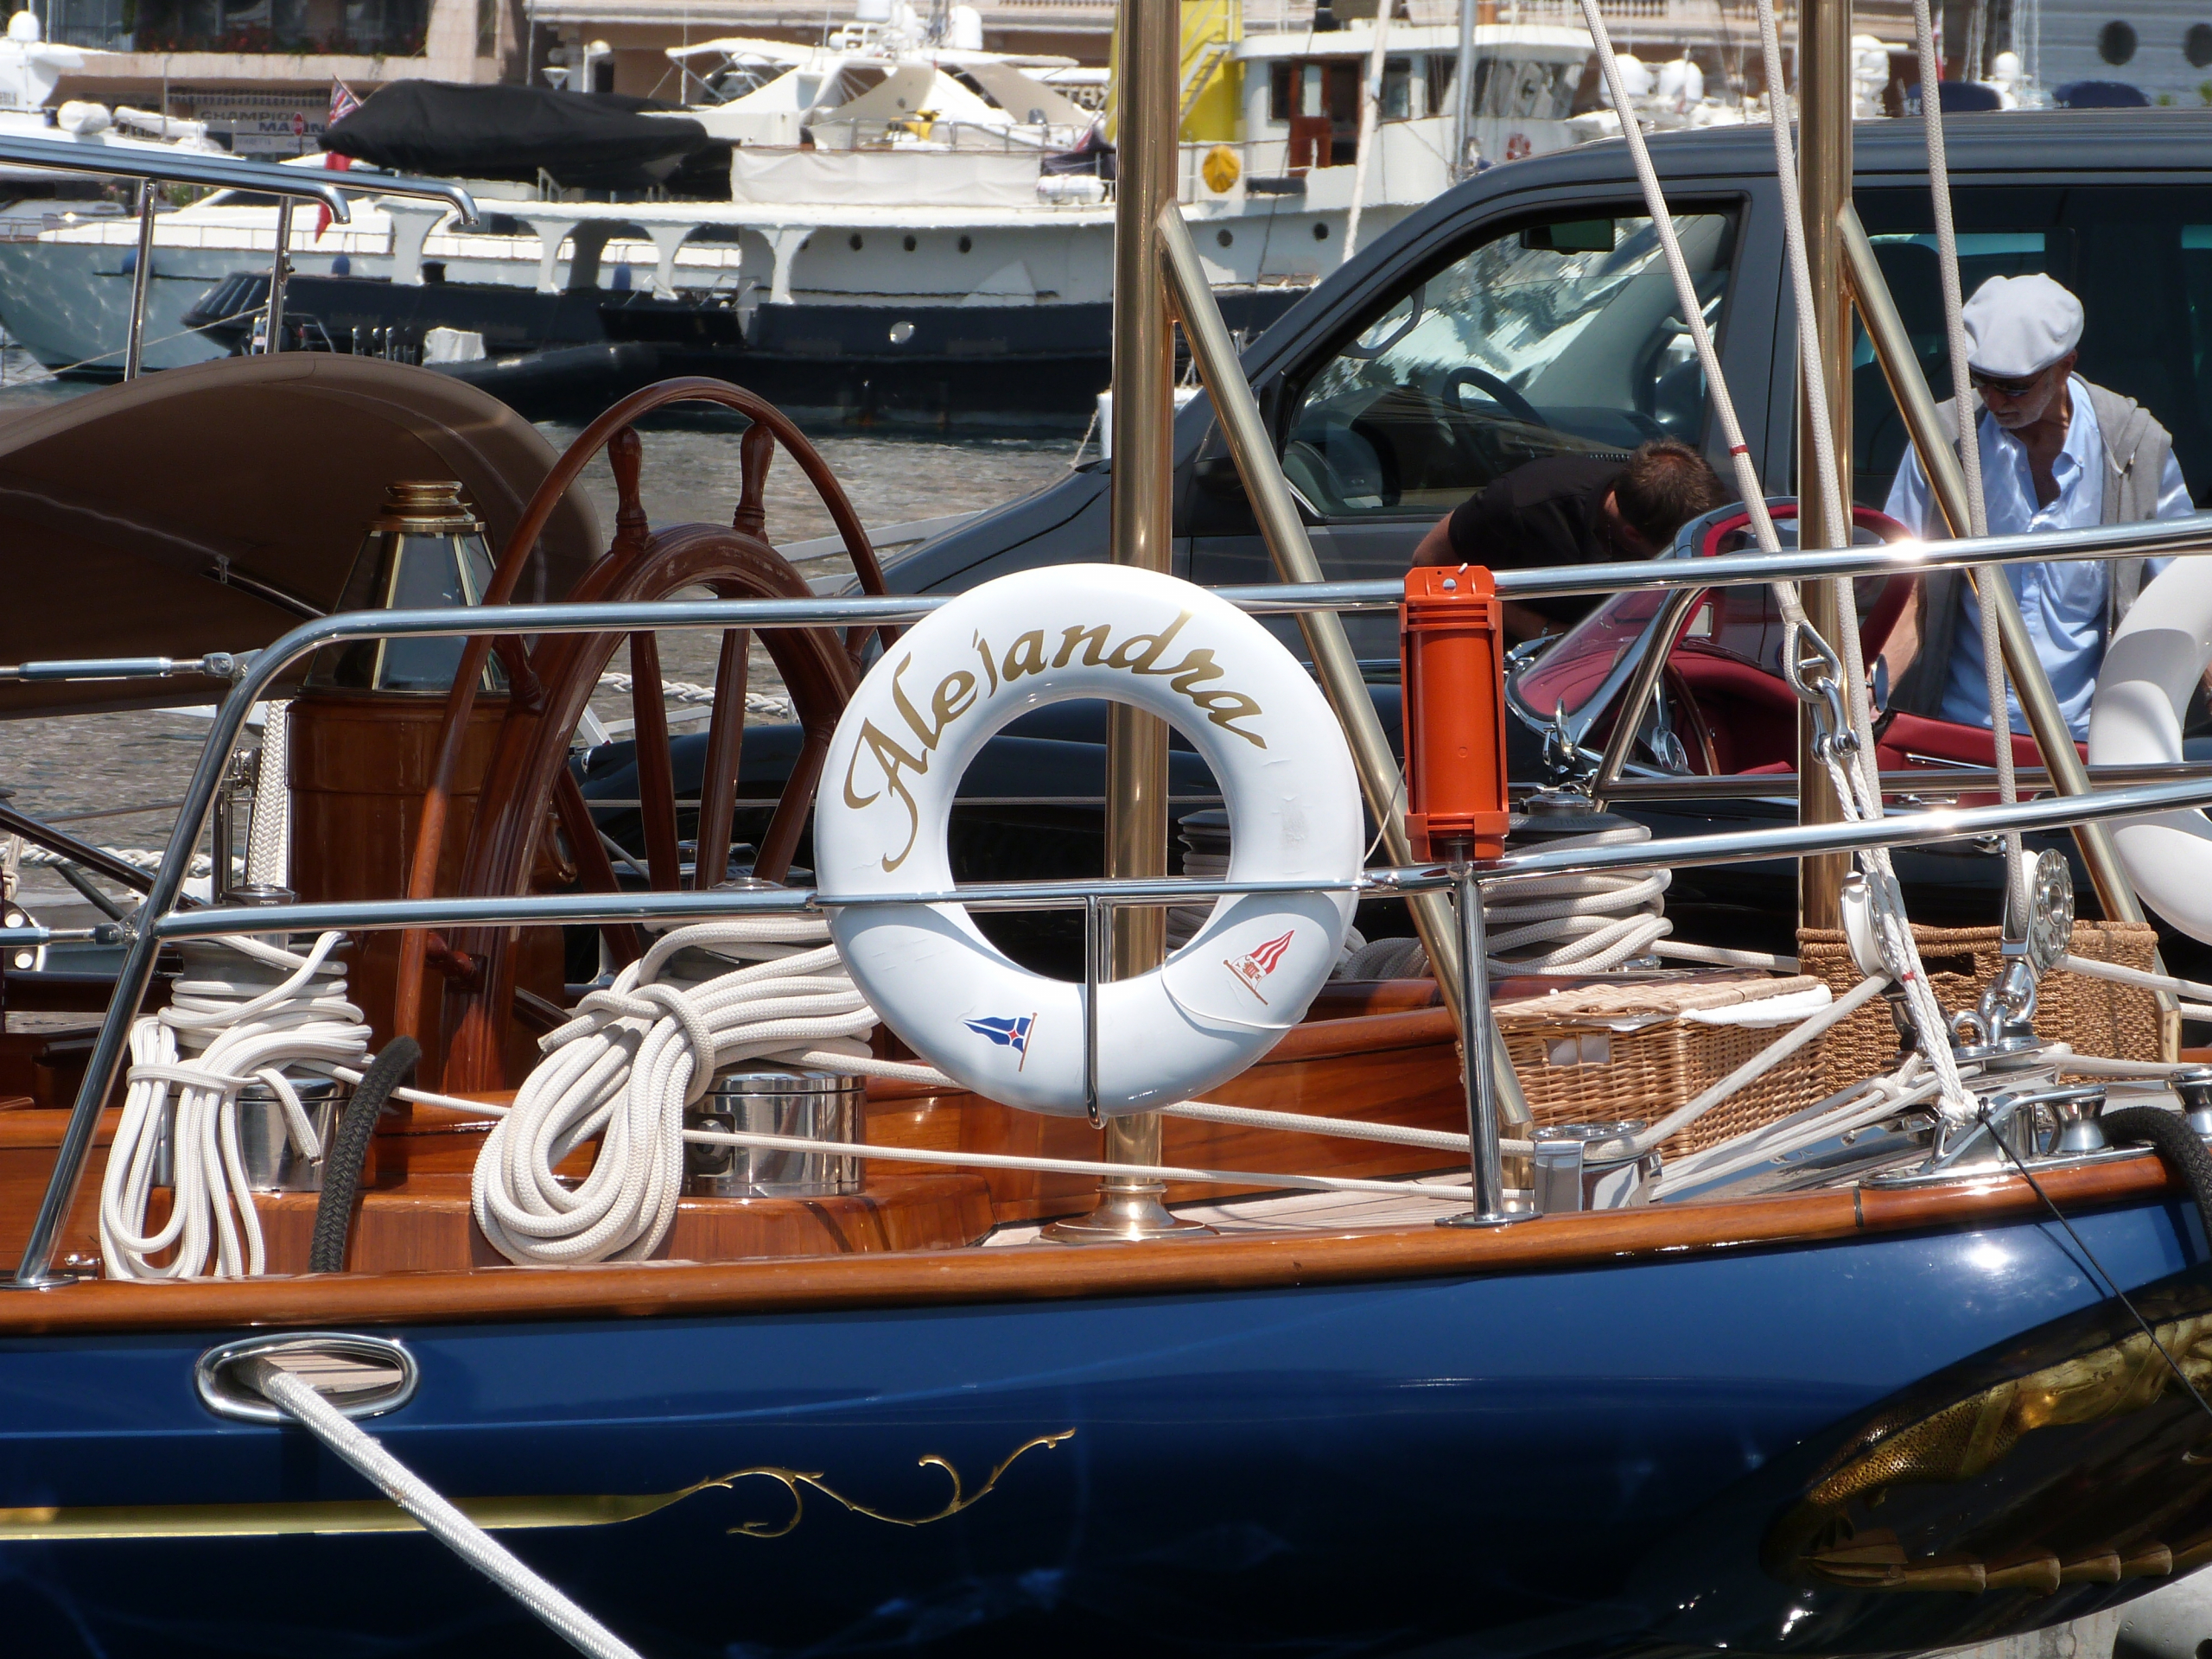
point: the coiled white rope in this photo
(1577, 923)
(278, 1008)
(634, 1057)
(298, 1399)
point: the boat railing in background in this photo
(152, 166)
(161, 166)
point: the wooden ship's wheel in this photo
(528, 786)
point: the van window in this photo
(1555, 338)
(2139, 258)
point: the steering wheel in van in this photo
(1492, 388)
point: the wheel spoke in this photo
(656, 773)
(594, 869)
(718, 778)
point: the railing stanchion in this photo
(1477, 1062)
(134, 343)
(279, 268)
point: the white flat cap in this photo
(2018, 325)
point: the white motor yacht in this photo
(898, 215)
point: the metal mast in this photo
(1140, 499)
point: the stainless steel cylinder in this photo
(272, 1162)
(760, 1098)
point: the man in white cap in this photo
(2058, 453)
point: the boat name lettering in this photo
(957, 694)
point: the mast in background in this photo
(1140, 497)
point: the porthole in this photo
(1320, 233)
(854, 243)
(966, 245)
(2196, 45)
(2116, 42)
(1223, 237)
(910, 245)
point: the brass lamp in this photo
(424, 550)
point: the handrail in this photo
(1676, 852)
(2166, 538)
(225, 171)
(252, 681)
(1940, 778)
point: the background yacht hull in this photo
(1610, 1460)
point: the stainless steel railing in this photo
(152, 165)
(254, 675)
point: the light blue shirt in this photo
(2063, 603)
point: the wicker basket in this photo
(2094, 1015)
(1602, 1052)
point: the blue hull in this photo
(1532, 1463)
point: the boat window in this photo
(741, 78)
(1557, 338)
(1507, 90)
(1321, 89)
(857, 80)
(1441, 67)
(2138, 257)
(1397, 90)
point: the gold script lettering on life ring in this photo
(958, 692)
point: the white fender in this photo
(1127, 636)
(2151, 666)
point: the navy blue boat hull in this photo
(1583, 1462)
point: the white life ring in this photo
(2152, 665)
(1041, 637)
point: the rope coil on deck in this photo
(634, 1057)
(277, 1008)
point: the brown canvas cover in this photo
(125, 514)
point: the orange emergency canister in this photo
(1451, 634)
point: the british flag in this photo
(342, 104)
(1255, 964)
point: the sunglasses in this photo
(2003, 387)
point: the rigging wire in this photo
(1966, 420)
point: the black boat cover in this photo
(585, 142)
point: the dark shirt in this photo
(1549, 512)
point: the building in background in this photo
(260, 72)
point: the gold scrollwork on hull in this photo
(1827, 1536)
(49, 1522)
(795, 1481)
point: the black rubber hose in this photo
(2184, 1153)
(349, 1151)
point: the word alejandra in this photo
(1092, 647)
